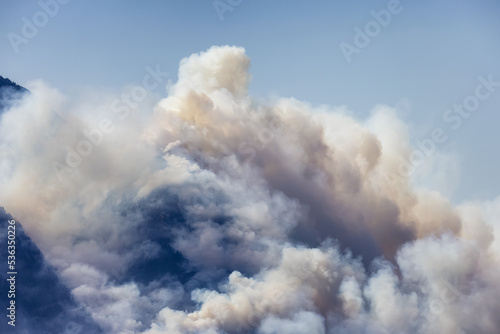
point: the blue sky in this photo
(426, 59)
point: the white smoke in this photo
(291, 218)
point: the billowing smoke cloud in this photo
(214, 212)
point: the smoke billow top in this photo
(209, 211)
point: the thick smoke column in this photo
(218, 213)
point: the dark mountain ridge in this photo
(9, 92)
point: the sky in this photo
(426, 59)
(237, 166)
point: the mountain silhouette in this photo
(44, 305)
(9, 92)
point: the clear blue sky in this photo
(427, 58)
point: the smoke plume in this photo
(210, 211)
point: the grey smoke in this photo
(218, 213)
